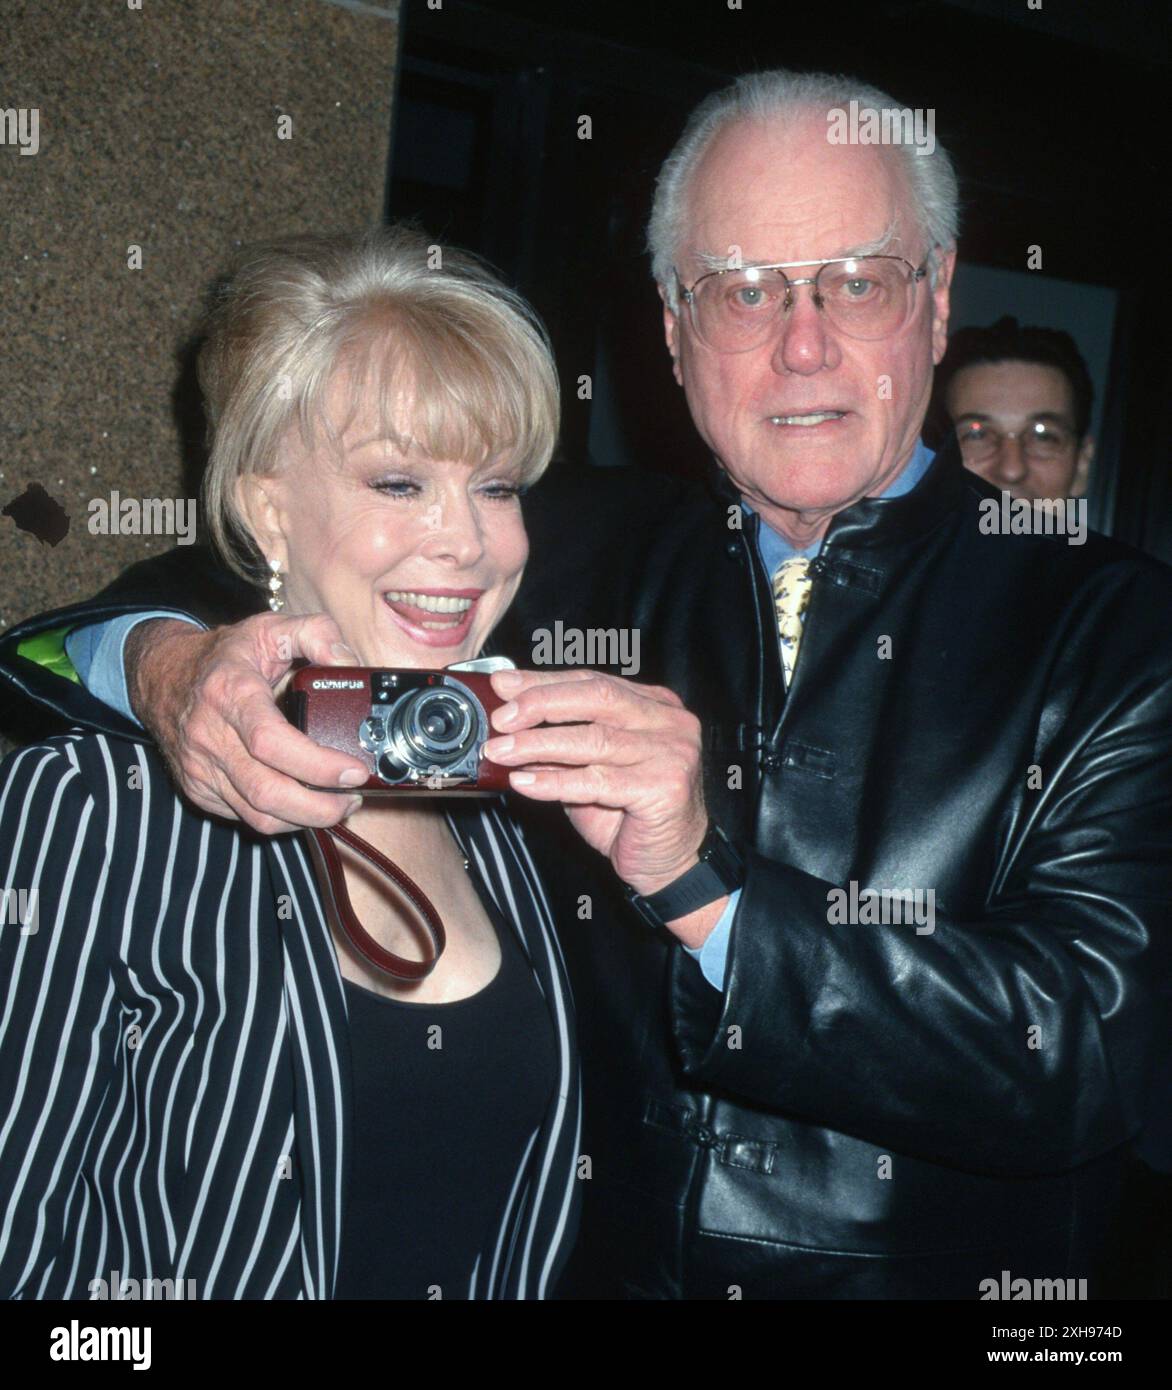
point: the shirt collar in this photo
(775, 549)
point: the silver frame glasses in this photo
(689, 294)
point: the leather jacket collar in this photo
(878, 522)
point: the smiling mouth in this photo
(432, 612)
(820, 417)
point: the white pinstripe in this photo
(189, 1046)
(224, 1016)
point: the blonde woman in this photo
(200, 1079)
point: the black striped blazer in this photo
(174, 1049)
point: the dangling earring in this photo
(276, 583)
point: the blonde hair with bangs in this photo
(461, 364)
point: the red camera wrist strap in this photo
(362, 941)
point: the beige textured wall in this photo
(158, 128)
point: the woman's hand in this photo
(624, 759)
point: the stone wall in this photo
(142, 141)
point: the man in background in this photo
(1019, 399)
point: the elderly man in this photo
(869, 985)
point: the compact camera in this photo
(417, 731)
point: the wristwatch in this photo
(721, 870)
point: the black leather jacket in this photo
(867, 1111)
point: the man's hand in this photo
(624, 759)
(209, 700)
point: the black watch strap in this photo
(719, 872)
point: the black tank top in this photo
(446, 1097)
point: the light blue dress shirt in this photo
(97, 649)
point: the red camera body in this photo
(419, 732)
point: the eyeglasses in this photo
(1040, 441)
(867, 297)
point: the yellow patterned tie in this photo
(791, 593)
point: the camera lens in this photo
(439, 724)
(438, 727)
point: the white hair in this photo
(778, 94)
